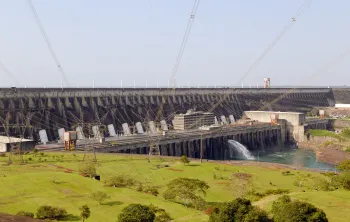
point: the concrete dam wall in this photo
(341, 96)
(26, 111)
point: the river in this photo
(294, 157)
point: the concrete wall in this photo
(294, 119)
(341, 96)
(52, 109)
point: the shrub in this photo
(136, 213)
(152, 190)
(268, 192)
(139, 188)
(286, 173)
(184, 160)
(120, 181)
(346, 132)
(344, 166)
(25, 214)
(99, 196)
(88, 168)
(52, 213)
(323, 184)
(344, 180)
(286, 210)
(163, 216)
(238, 210)
(160, 214)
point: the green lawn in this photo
(325, 133)
(26, 187)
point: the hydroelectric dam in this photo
(25, 112)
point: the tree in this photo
(88, 168)
(184, 160)
(187, 190)
(136, 213)
(84, 212)
(52, 213)
(100, 196)
(286, 210)
(344, 166)
(238, 210)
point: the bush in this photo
(286, 173)
(238, 210)
(344, 166)
(327, 143)
(25, 214)
(163, 217)
(346, 133)
(161, 214)
(139, 188)
(136, 213)
(184, 160)
(258, 195)
(88, 168)
(52, 213)
(99, 196)
(344, 180)
(120, 181)
(323, 184)
(286, 210)
(152, 190)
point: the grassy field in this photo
(45, 180)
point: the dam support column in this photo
(163, 150)
(178, 151)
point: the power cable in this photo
(47, 40)
(9, 73)
(183, 43)
(290, 24)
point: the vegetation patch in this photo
(258, 195)
(324, 133)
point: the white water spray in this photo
(236, 149)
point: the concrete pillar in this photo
(171, 149)
(190, 148)
(178, 151)
(163, 150)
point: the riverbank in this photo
(328, 149)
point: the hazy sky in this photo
(110, 41)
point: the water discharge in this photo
(237, 150)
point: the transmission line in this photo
(290, 24)
(47, 40)
(184, 41)
(9, 73)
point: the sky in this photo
(105, 42)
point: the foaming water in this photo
(239, 151)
